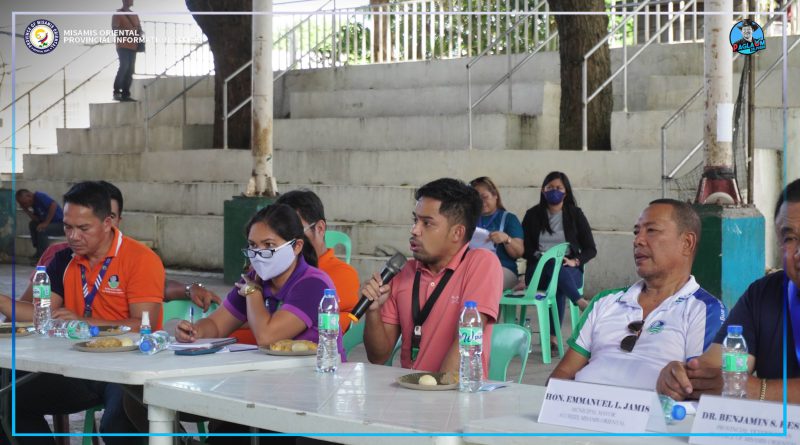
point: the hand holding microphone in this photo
(376, 289)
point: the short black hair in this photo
(684, 215)
(20, 192)
(114, 193)
(790, 194)
(460, 203)
(90, 194)
(305, 202)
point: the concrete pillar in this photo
(262, 182)
(718, 178)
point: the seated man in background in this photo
(626, 336)
(175, 290)
(344, 276)
(46, 217)
(122, 278)
(444, 270)
(760, 312)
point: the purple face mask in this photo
(554, 196)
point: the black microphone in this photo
(390, 269)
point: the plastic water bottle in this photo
(155, 342)
(144, 328)
(673, 413)
(470, 346)
(734, 364)
(328, 320)
(73, 329)
(41, 299)
(529, 328)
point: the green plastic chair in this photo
(180, 309)
(395, 350)
(574, 310)
(333, 238)
(543, 301)
(508, 341)
(354, 336)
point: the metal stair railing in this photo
(586, 97)
(62, 99)
(511, 70)
(666, 177)
(182, 94)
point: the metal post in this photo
(225, 115)
(584, 117)
(262, 182)
(30, 124)
(508, 64)
(469, 108)
(624, 66)
(64, 92)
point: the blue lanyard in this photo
(793, 301)
(483, 225)
(88, 297)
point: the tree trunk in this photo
(230, 40)
(577, 34)
(380, 50)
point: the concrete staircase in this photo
(365, 137)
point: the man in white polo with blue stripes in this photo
(626, 336)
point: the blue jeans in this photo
(56, 394)
(124, 78)
(41, 239)
(570, 280)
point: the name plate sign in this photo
(604, 408)
(719, 415)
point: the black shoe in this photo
(127, 99)
(118, 96)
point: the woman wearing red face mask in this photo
(555, 220)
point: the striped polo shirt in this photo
(681, 327)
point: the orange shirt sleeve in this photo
(146, 281)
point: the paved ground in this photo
(536, 372)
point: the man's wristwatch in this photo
(188, 289)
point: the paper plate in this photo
(271, 352)
(83, 348)
(112, 330)
(446, 381)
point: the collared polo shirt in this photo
(41, 205)
(135, 275)
(478, 277)
(681, 327)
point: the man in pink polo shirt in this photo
(444, 219)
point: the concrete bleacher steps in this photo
(606, 208)
(527, 98)
(131, 138)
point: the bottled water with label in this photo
(673, 413)
(470, 346)
(73, 329)
(327, 350)
(155, 342)
(41, 299)
(734, 364)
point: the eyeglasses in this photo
(629, 342)
(309, 227)
(264, 253)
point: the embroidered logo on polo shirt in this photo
(113, 282)
(656, 327)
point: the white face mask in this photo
(269, 268)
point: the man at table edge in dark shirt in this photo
(760, 312)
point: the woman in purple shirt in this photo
(279, 297)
